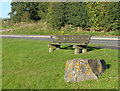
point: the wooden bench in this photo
(77, 41)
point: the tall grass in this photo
(44, 28)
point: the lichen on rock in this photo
(83, 69)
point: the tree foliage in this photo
(56, 14)
(77, 14)
(26, 11)
(97, 16)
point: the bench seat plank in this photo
(67, 44)
(65, 41)
(72, 38)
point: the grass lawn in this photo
(27, 64)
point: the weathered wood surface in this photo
(83, 69)
(77, 41)
(72, 38)
(68, 44)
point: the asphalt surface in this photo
(109, 42)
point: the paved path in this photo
(111, 42)
(49, 36)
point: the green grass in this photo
(27, 64)
(42, 28)
(0, 63)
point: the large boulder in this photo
(83, 69)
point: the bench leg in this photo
(50, 49)
(84, 50)
(76, 51)
(58, 47)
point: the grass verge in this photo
(27, 64)
(42, 28)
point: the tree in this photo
(77, 14)
(97, 12)
(25, 11)
(111, 20)
(56, 15)
(43, 9)
(97, 16)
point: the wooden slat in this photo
(62, 41)
(80, 36)
(67, 44)
(72, 38)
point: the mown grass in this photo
(42, 28)
(27, 64)
(0, 63)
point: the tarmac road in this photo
(109, 42)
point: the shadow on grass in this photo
(108, 66)
(89, 48)
(70, 47)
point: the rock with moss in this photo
(83, 69)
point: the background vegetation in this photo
(44, 28)
(68, 16)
